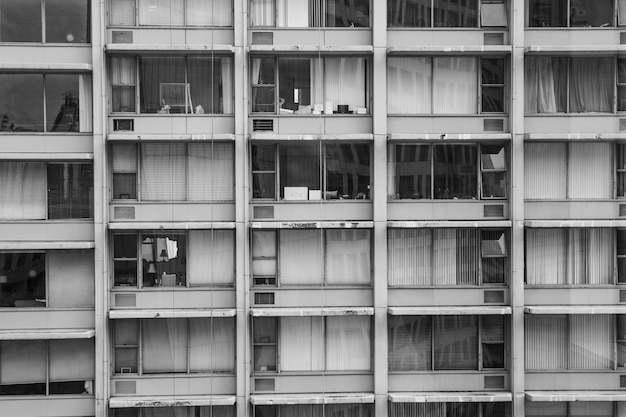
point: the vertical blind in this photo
(301, 257)
(210, 171)
(344, 82)
(545, 170)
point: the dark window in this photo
(70, 191)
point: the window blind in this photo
(210, 171)
(545, 170)
(212, 344)
(163, 171)
(302, 343)
(589, 173)
(301, 257)
(211, 257)
(348, 343)
(348, 256)
(454, 85)
(72, 360)
(409, 252)
(22, 362)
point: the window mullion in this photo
(43, 21)
(140, 346)
(47, 361)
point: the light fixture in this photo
(163, 256)
(151, 268)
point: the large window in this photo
(46, 367)
(311, 257)
(158, 346)
(571, 256)
(554, 171)
(171, 84)
(446, 13)
(171, 12)
(39, 191)
(556, 342)
(569, 84)
(444, 172)
(494, 409)
(300, 171)
(177, 411)
(447, 257)
(45, 103)
(574, 13)
(50, 21)
(314, 410)
(310, 13)
(574, 409)
(197, 258)
(437, 343)
(200, 171)
(446, 85)
(286, 85)
(47, 279)
(305, 344)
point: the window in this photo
(495, 409)
(172, 12)
(39, 190)
(66, 281)
(310, 13)
(446, 13)
(569, 85)
(311, 257)
(47, 367)
(447, 257)
(309, 85)
(171, 84)
(45, 102)
(572, 409)
(178, 411)
(158, 346)
(201, 171)
(554, 171)
(445, 85)
(314, 410)
(572, 13)
(554, 342)
(49, 21)
(198, 258)
(444, 172)
(570, 256)
(436, 343)
(338, 343)
(297, 171)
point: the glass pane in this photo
(412, 171)
(126, 332)
(62, 106)
(452, 13)
(123, 12)
(493, 243)
(299, 169)
(493, 355)
(347, 13)
(294, 81)
(164, 259)
(492, 99)
(621, 270)
(263, 158)
(621, 241)
(263, 99)
(547, 13)
(123, 98)
(20, 21)
(22, 280)
(205, 85)
(492, 328)
(21, 107)
(591, 85)
(125, 186)
(264, 358)
(68, 21)
(347, 171)
(161, 12)
(264, 185)
(264, 329)
(494, 184)
(410, 339)
(495, 270)
(125, 246)
(621, 98)
(160, 78)
(213, 13)
(408, 13)
(455, 171)
(264, 244)
(125, 273)
(70, 191)
(492, 70)
(456, 342)
(591, 13)
(493, 157)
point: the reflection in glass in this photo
(22, 279)
(20, 21)
(67, 21)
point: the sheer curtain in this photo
(348, 343)
(212, 13)
(163, 171)
(22, 362)
(590, 173)
(262, 13)
(410, 343)
(409, 85)
(591, 85)
(68, 282)
(455, 84)
(71, 360)
(164, 345)
(348, 256)
(211, 257)
(590, 256)
(344, 82)
(122, 12)
(545, 342)
(410, 257)
(591, 341)
(292, 13)
(302, 343)
(23, 186)
(210, 171)
(227, 85)
(212, 344)
(545, 170)
(161, 12)
(545, 79)
(301, 257)
(455, 256)
(546, 256)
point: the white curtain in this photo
(302, 343)
(212, 344)
(301, 257)
(545, 170)
(344, 82)
(348, 343)
(409, 85)
(410, 257)
(591, 84)
(124, 158)
(22, 362)
(545, 342)
(210, 171)
(348, 256)
(317, 90)
(164, 345)
(85, 101)
(590, 173)
(455, 84)
(209, 13)
(23, 195)
(227, 85)
(211, 257)
(546, 252)
(122, 12)
(590, 256)
(543, 89)
(161, 12)
(591, 341)
(163, 171)
(70, 278)
(262, 13)
(292, 13)
(72, 360)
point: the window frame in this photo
(134, 4)
(567, 16)
(318, 17)
(480, 24)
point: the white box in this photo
(328, 107)
(315, 194)
(361, 110)
(296, 193)
(317, 108)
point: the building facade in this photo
(280, 208)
